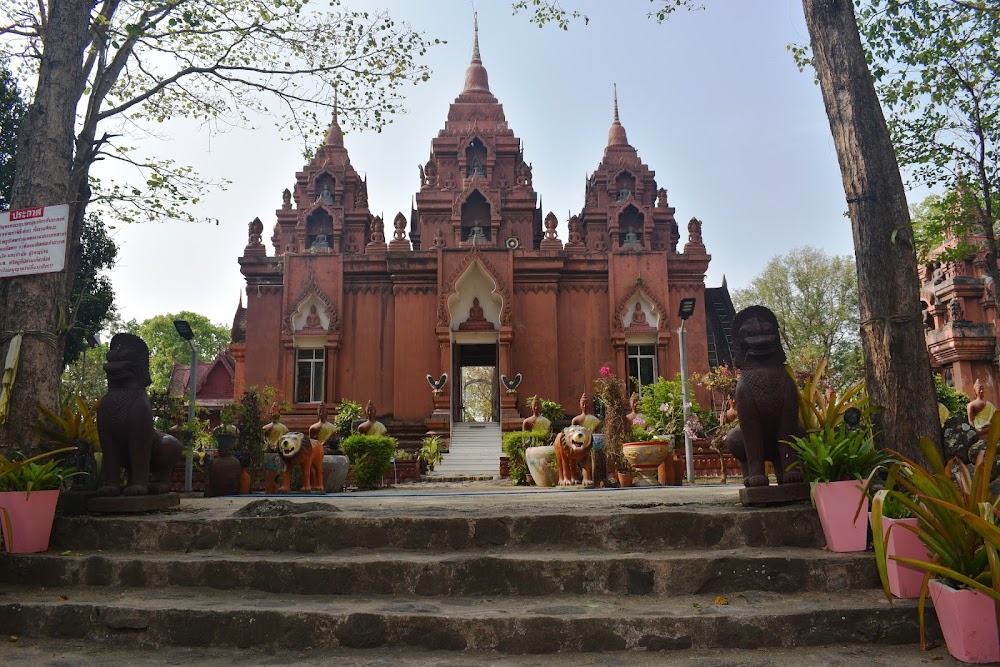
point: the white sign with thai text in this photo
(33, 240)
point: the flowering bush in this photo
(721, 379)
(661, 422)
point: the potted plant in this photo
(836, 460)
(430, 451)
(957, 523)
(903, 581)
(225, 433)
(370, 456)
(29, 491)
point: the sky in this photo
(712, 101)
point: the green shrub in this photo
(514, 444)
(371, 457)
(835, 454)
(950, 397)
(550, 409)
(347, 413)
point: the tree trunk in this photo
(43, 177)
(897, 366)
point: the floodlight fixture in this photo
(687, 307)
(184, 329)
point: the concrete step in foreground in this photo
(573, 573)
(207, 617)
(467, 573)
(82, 653)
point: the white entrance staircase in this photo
(474, 451)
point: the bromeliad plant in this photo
(957, 519)
(821, 409)
(835, 454)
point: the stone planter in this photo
(904, 581)
(30, 516)
(968, 622)
(541, 465)
(335, 467)
(836, 503)
(645, 458)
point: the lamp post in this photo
(184, 329)
(686, 311)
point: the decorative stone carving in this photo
(255, 229)
(477, 320)
(399, 227)
(523, 175)
(955, 311)
(661, 198)
(300, 450)
(378, 230)
(286, 199)
(125, 425)
(438, 240)
(639, 323)
(766, 400)
(573, 447)
(551, 241)
(694, 233)
(372, 426)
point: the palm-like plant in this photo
(819, 410)
(957, 519)
(75, 420)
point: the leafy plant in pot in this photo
(957, 522)
(430, 451)
(836, 460)
(29, 491)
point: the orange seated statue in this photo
(298, 450)
(573, 446)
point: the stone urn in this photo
(541, 465)
(335, 467)
(645, 458)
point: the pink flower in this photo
(664, 407)
(605, 371)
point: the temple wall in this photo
(365, 361)
(535, 352)
(584, 345)
(416, 354)
(264, 363)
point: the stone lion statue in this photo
(766, 400)
(573, 445)
(125, 425)
(296, 449)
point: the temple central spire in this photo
(476, 78)
(616, 135)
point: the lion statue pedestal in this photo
(768, 405)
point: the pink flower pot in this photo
(968, 621)
(31, 517)
(836, 503)
(904, 581)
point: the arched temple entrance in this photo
(475, 321)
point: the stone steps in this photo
(629, 528)
(476, 573)
(207, 617)
(526, 573)
(473, 450)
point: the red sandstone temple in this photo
(475, 278)
(961, 319)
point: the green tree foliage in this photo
(815, 297)
(93, 296)
(937, 68)
(166, 347)
(12, 110)
(100, 71)
(85, 376)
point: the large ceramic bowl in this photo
(645, 458)
(542, 465)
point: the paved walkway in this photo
(481, 498)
